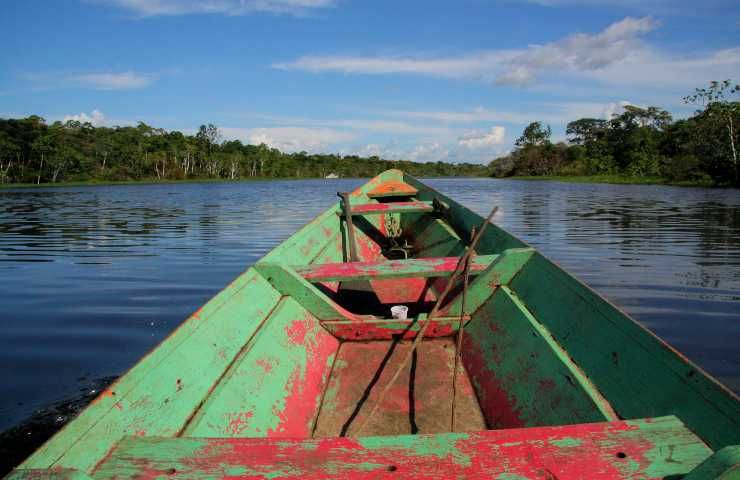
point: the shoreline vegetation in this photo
(642, 145)
(609, 179)
(638, 146)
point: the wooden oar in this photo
(437, 306)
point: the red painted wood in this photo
(434, 267)
(392, 188)
(644, 449)
(367, 208)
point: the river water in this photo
(91, 278)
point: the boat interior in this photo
(303, 344)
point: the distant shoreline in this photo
(149, 181)
(596, 179)
(615, 180)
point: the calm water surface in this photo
(93, 277)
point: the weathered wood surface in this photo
(639, 373)
(522, 377)
(723, 465)
(392, 188)
(275, 385)
(387, 269)
(394, 207)
(160, 394)
(420, 400)
(638, 449)
(388, 328)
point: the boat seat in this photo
(649, 449)
(411, 268)
(393, 207)
(392, 188)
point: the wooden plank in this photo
(394, 207)
(288, 282)
(160, 393)
(522, 378)
(392, 188)
(462, 220)
(649, 449)
(723, 465)
(412, 268)
(501, 271)
(422, 396)
(639, 373)
(388, 328)
(274, 387)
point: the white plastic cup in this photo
(399, 312)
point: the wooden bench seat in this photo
(411, 268)
(647, 449)
(392, 207)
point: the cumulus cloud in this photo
(151, 8)
(478, 140)
(290, 139)
(96, 118)
(580, 51)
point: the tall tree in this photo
(721, 110)
(535, 134)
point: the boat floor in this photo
(420, 400)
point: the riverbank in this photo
(146, 181)
(617, 180)
(609, 179)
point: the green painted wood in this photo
(289, 283)
(362, 209)
(159, 394)
(47, 474)
(500, 271)
(647, 449)
(461, 219)
(523, 378)
(389, 328)
(634, 369)
(723, 465)
(274, 387)
(432, 236)
(387, 269)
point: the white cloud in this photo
(577, 52)
(479, 140)
(128, 80)
(96, 118)
(651, 69)
(614, 108)
(290, 139)
(114, 81)
(151, 8)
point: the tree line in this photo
(640, 142)
(31, 151)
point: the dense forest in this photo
(640, 142)
(33, 152)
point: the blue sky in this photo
(420, 80)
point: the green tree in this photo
(720, 111)
(535, 134)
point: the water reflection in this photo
(91, 278)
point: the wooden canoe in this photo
(271, 377)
